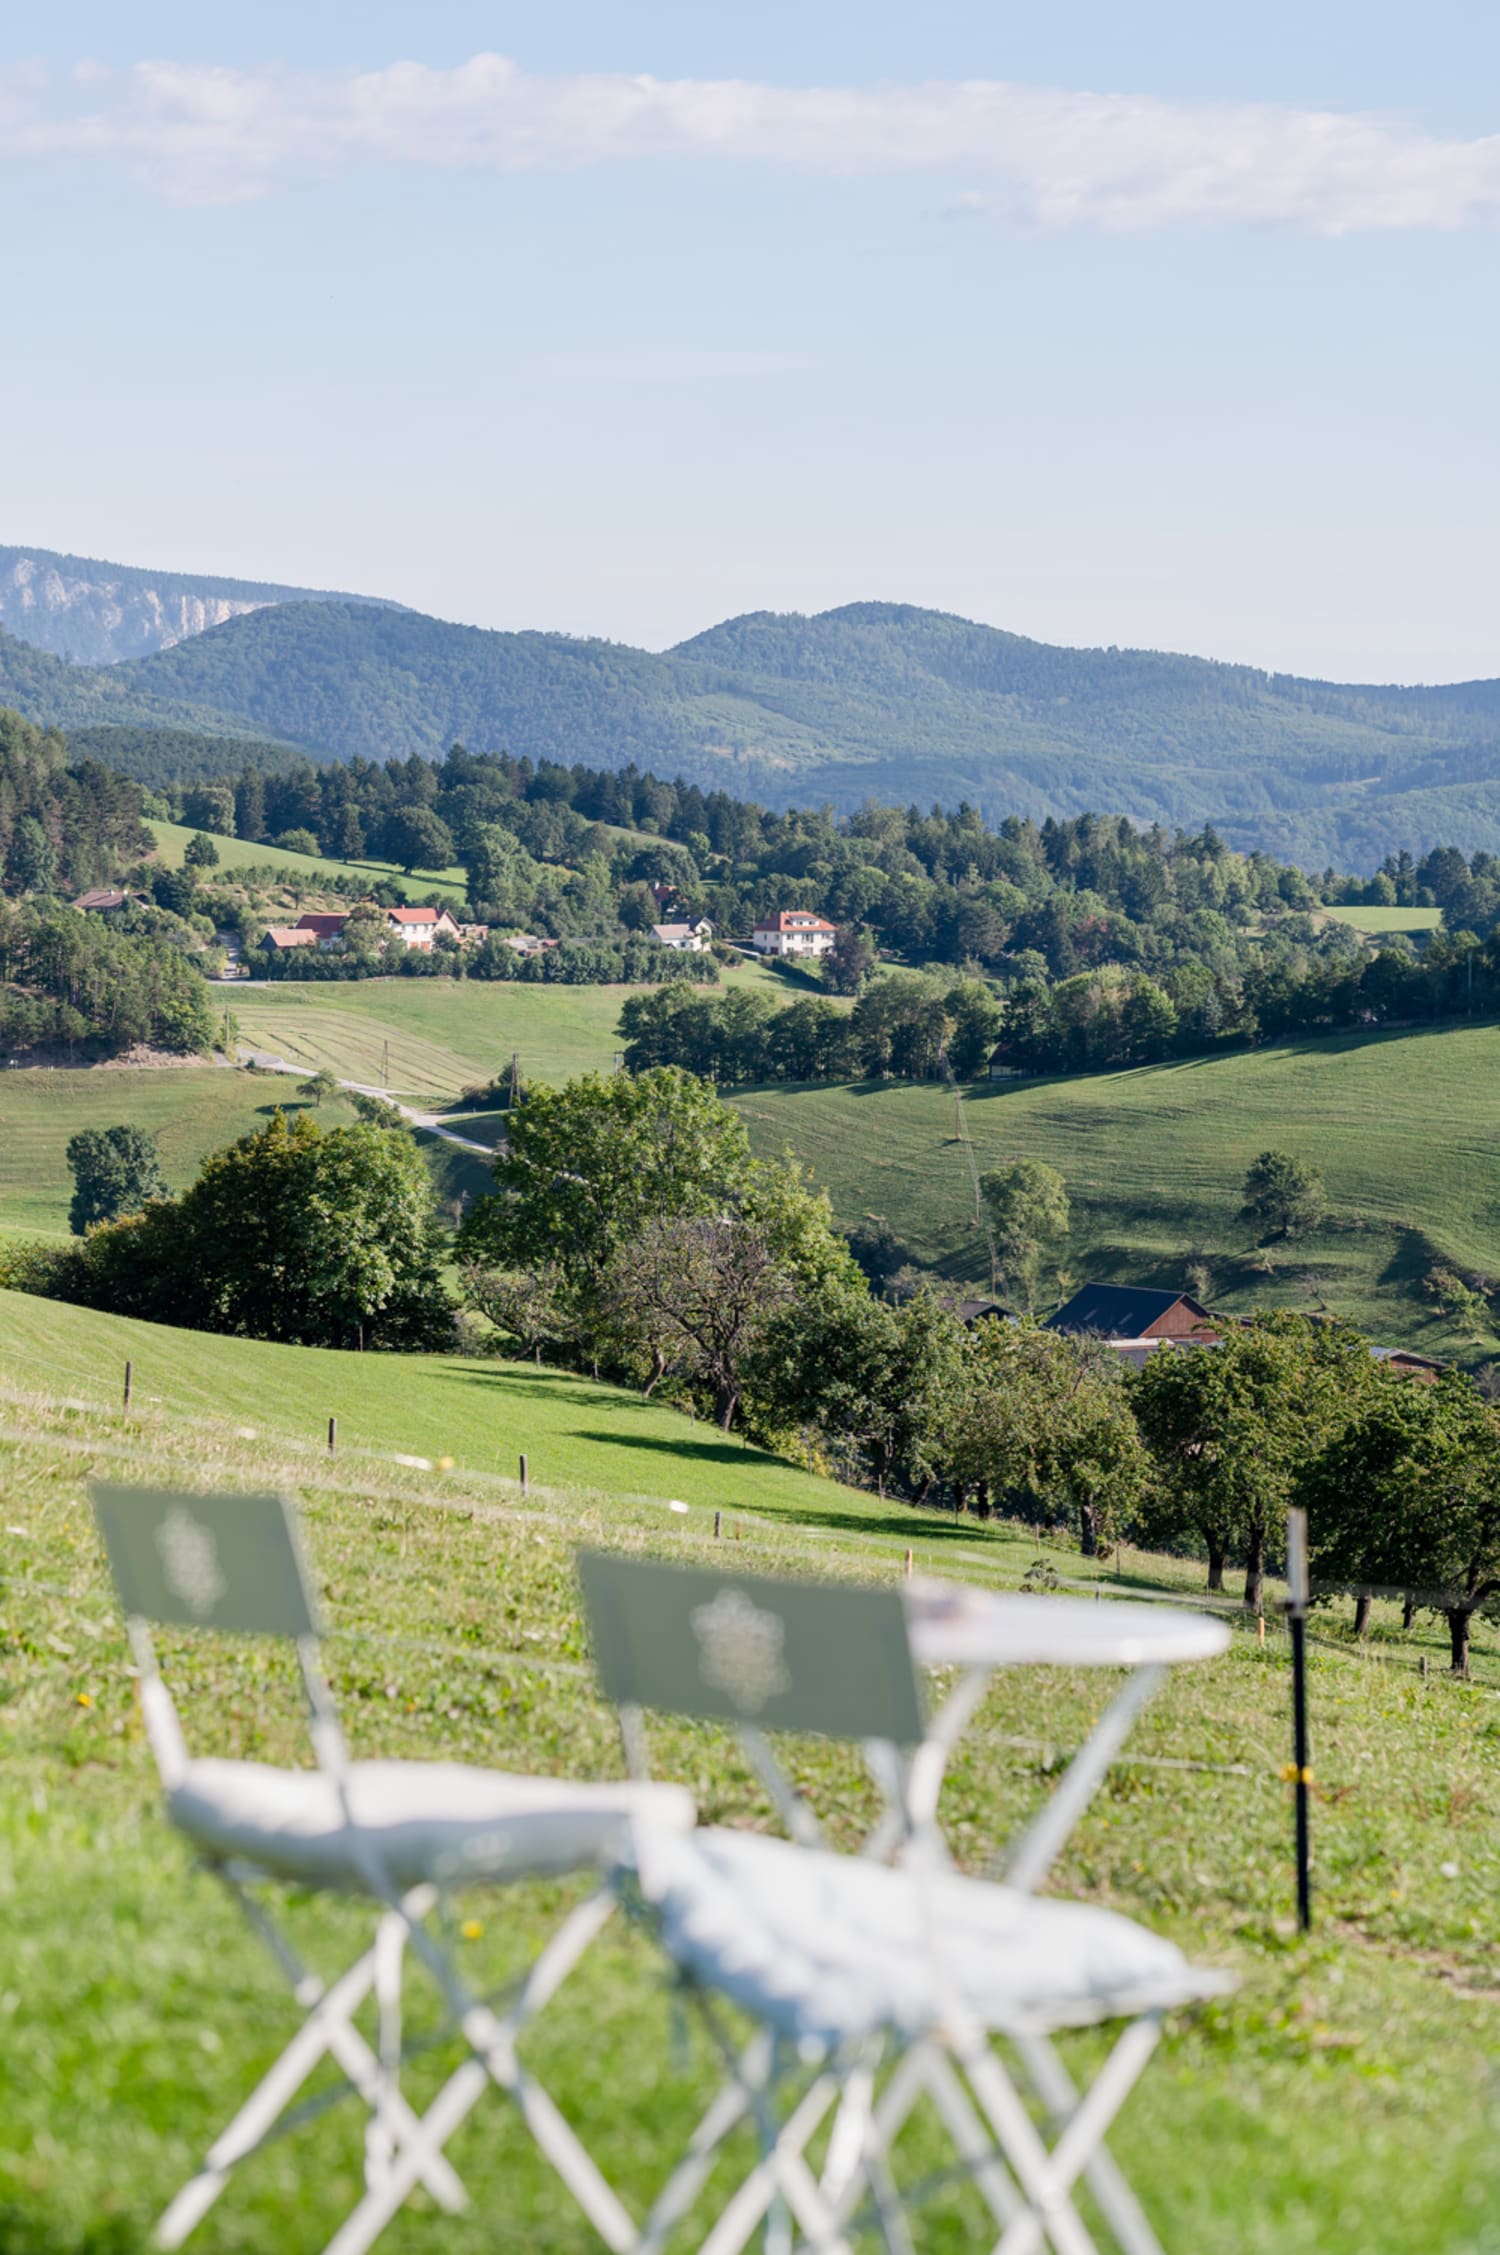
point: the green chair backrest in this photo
(742, 1648)
(207, 1561)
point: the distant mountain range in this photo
(100, 613)
(872, 701)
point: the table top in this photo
(953, 1625)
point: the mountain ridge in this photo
(86, 608)
(871, 700)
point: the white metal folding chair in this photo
(849, 1967)
(398, 1834)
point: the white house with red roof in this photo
(793, 931)
(422, 927)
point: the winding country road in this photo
(265, 1062)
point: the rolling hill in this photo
(874, 700)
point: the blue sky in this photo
(1171, 325)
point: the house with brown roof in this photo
(793, 931)
(326, 930)
(102, 900)
(282, 938)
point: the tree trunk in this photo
(960, 1499)
(1459, 1617)
(923, 1488)
(1215, 1563)
(726, 1401)
(1255, 1573)
(659, 1372)
(982, 1498)
(1408, 1611)
(1362, 1605)
(1088, 1531)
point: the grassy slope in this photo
(191, 1113)
(138, 2009)
(1402, 1126)
(445, 1034)
(482, 1413)
(1388, 919)
(243, 853)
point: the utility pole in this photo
(385, 1064)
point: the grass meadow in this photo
(314, 870)
(1344, 2099)
(1402, 1126)
(447, 1034)
(1379, 920)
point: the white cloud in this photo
(1029, 156)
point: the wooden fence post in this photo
(523, 1475)
(125, 1404)
(333, 1434)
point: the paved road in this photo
(264, 1062)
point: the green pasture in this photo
(482, 1413)
(1343, 2099)
(445, 1034)
(1378, 920)
(243, 853)
(191, 1111)
(1402, 1126)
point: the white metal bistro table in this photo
(953, 1625)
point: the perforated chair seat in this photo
(437, 1821)
(828, 1949)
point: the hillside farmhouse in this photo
(793, 931)
(690, 939)
(282, 938)
(418, 927)
(102, 900)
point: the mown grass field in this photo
(1402, 1126)
(1343, 2100)
(482, 1413)
(190, 1111)
(243, 853)
(446, 1034)
(1387, 919)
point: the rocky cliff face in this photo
(99, 613)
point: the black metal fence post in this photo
(1296, 1608)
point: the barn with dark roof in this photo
(1131, 1311)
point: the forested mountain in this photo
(81, 607)
(874, 701)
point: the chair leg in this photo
(1106, 2180)
(492, 2042)
(1046, 2179)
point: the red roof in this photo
(323, 927)
(417, 915)
(794, 920)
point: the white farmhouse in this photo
(793, 931)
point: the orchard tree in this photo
(1407, 1497)
(1284, 1196)
(876, 1380)
(1040, 1419)
(586, 1167)
(321, 1085)
(1230, 1426)
(115, 1171)
(200, 852)
(1027, 1202)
